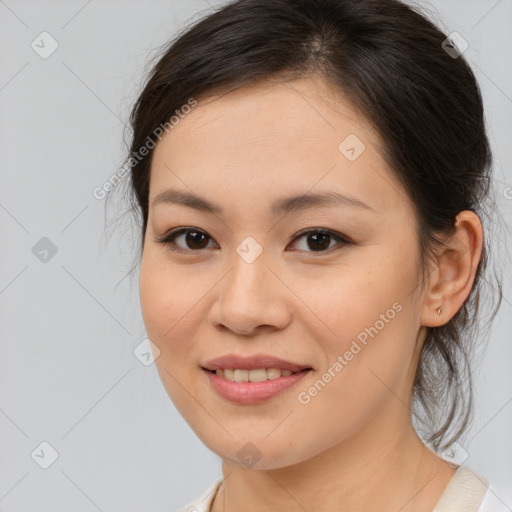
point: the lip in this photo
(252, 363)
(253, 392)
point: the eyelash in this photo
(168, 239)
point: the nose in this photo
(250, 299)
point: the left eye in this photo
(318, 240)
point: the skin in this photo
(354, 439)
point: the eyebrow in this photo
(297, 202)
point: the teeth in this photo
(241, 375)
(257, 375)
(273, 373)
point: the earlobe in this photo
(456, 263)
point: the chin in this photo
(256, 454)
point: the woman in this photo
(311, 177)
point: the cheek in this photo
(168, 316)
(345, 301)
(367, 316)
(165, 304)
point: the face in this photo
(329, 286)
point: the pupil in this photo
(324, 237)
(193, 237)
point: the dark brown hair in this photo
(392, 63)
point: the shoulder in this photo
(203, 503)
(468, 490)
(496, 500)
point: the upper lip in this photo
(233, 361)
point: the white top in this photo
(465, 492)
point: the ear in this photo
(454, 270)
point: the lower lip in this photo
(252, 392)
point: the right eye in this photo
(192, 238)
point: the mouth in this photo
(253, 375)
(252, 379)
(237, 365)
(253, 386)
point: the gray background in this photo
(69, 325)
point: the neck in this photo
(384, 468)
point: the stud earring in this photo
(439, 311)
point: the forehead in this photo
(277, 115)
(261, 140)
